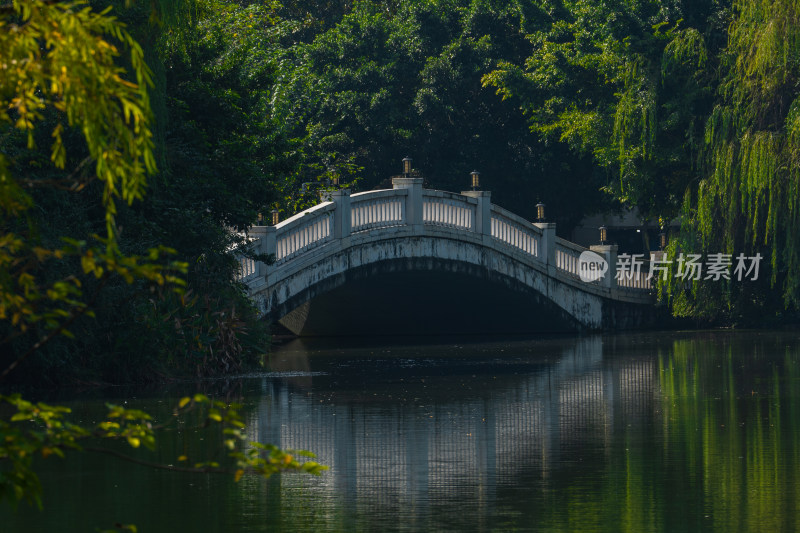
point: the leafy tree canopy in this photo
(626, 83)
(386, 83)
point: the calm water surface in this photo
(636, 432)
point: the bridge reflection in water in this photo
(438, 430)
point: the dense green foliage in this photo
(688, 107)
(63, 92)
(678, 109)
(627, 84)
(221, 156)
(217, 153)
(389, 82)
(749, 196)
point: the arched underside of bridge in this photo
(428, 285)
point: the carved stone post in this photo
(342, 220)
(547, 252)
(609, 253)
(259, 234)
(413, 201)
(268, 247)
(483, 218)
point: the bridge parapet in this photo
(441, 208)
(567, 258)
(377, 209)
(517, 232)
(310, 228)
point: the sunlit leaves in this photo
(61, 68)
(20, 442)
(248, 456)
(63, 56)
(38, 429)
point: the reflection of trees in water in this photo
(732, 415)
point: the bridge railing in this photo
(248, 268)
(516, 231)
(440, 208)
(305, 230)
(568, 264)
(634, 280)
(412, 208)
(567, 257)
(377, 209)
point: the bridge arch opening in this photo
(424, 297)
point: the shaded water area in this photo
(695, 431)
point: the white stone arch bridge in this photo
(414, 260)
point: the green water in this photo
(636, 432)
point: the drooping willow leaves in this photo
(747, 198)
(61, 69)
